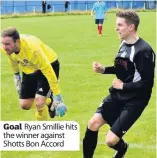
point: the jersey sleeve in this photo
(14, 65)
(110, 70)
(105, 7)
(145, 65)
(40, 60)
(94, 7)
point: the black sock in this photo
(119, 146)
(89, 143)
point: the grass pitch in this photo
(75, 40)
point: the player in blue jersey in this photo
(99, 10)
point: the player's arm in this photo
(99, 68)
(49, 73)
(145, 65)
(17, 78)
(15, 68)
(93, 10)
(106, 14)
(14, 65)
(110, 70)
(105, 11)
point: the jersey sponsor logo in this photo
(25, 61)
(121, 62)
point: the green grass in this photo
(75, 40)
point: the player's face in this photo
(9, 45)
(123, 28)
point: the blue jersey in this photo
(99, 8)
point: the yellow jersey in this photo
(34, 55)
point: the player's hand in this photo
(59, 105)
(117, 84)
(98, 68)
(17, 81)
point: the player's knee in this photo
(40, 102)
(25, 105)
(94, 124)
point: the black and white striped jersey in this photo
(134, 65)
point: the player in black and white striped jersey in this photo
(130, 92)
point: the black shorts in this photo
(36, 83)
(121, 115)
(99, 21)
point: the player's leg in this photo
(97, 23)
(41, 107)
(129, 114)
(116, 143)
(114, 138)
(100, 26)
(27, 92)
(26, 104)
(40, 97)
(104, 114)
(91, 135)
(44, 101)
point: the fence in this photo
(25, 6)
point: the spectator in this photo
(66, 5)
(43, 6)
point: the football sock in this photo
(100, 29)
(33, 105)
(119, 146)
(42, 113)
(89, 143)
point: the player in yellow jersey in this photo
(40, 69)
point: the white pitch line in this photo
(137, 146)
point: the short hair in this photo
(130, 16)
(10, 32)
